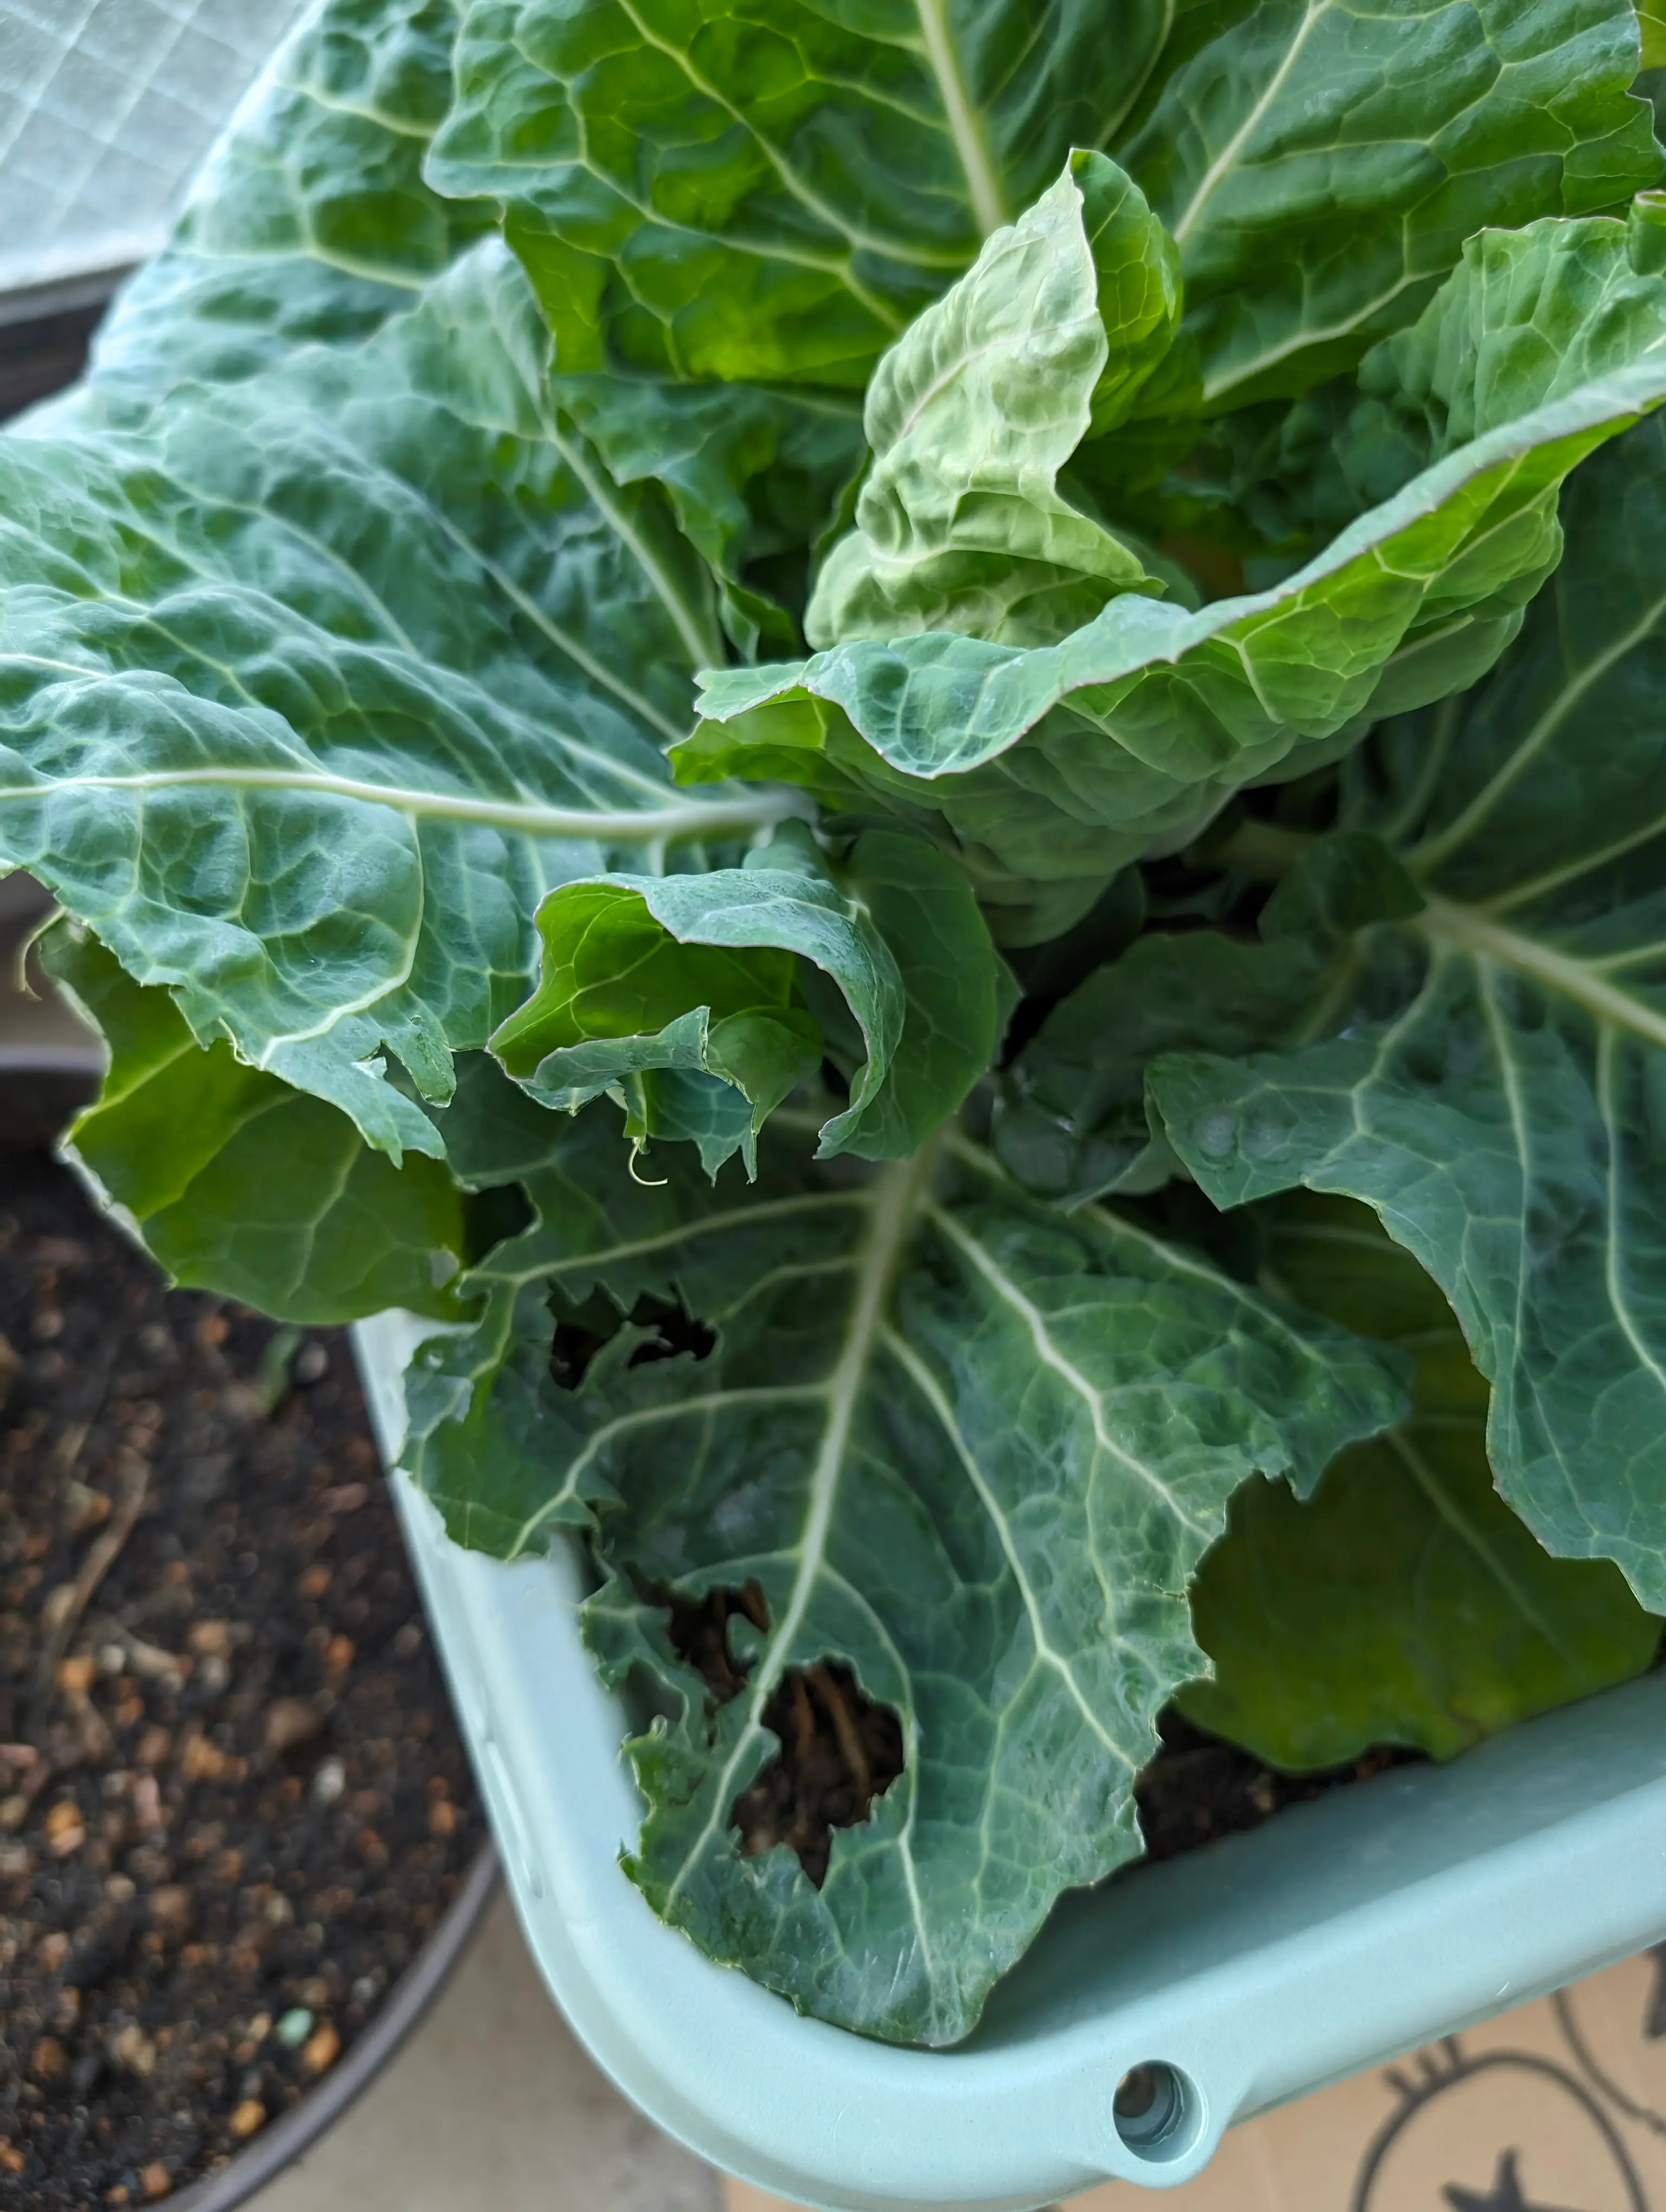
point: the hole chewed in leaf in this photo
(491, 1217)
(581, 1331)
(699, 1631)
(675, 1331)
(839, 1750)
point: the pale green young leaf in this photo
(1492, 1087)
(1322, 165)
(1404, 1602)
(960, 525)
(1053, 766)
(769, 196)
(925, 1414)
(238, 1183)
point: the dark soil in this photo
(1198, 1788)
(233, 1801)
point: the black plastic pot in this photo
(41, 1088)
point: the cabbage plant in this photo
(920, 750)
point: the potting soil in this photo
(233, 1801)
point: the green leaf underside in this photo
(681, 977)
(1404, 1602)
(960, 525)
(1488, 1075)
(1056, 765)
(937, 1417)
(769, 196)
(241, 1185)
(316, 687)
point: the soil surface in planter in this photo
(233, 1801)
(1198, 1788)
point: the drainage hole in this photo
(1152, 2108)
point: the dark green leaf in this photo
(925, 1416)
(754, 478)
(1070, 1116)
(1322, 165)
(769, 195)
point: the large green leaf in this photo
(960, 525)
(1053, 766)
(315, 687)
(770, 194)
(238, 1183)
(968, 1448)
(1322, 165)
(649, 982)
(311, 221)
(1404, 1602)
(1489, 1075)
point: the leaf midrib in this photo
(1461, 929)
(965, 126)
(1227, 157)
(895, 1201)
(648, 824)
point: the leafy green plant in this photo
(924, 759)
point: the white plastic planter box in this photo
(1245, 1973)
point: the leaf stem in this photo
(759, 810)
(1265, 850)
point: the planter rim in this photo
(299, 2128)
(1248, 1972)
